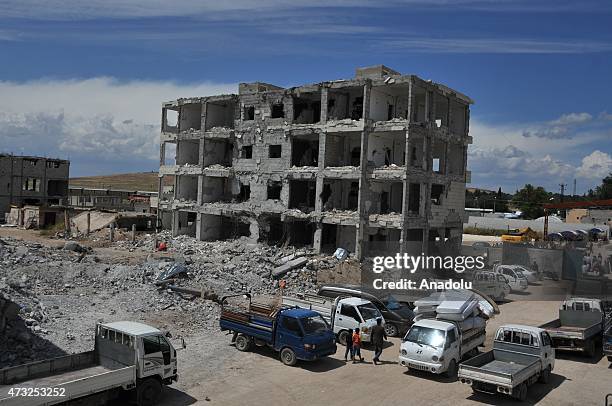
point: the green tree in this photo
(530, 199)
(604, 191)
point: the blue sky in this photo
(85, 79)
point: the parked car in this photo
(491, 284)
(515, 278)
(531, 276)
(398, 317)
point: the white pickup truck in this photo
(521, 355)
(127, 356)
(438, 346)
(342, 313)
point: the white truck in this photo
(341, 313)
(491, 284)
(127, 356)
(514, 277)
(521, 356)
(438, 346)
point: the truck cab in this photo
(438, 346)
(145, 346)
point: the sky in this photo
(84, 80)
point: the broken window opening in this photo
(274, 151)
(436, 194)
(345, 103)
(382, 241)
(387, 149)
(414, 198)
(302, 194)
(246, 152)
(304, 152)
(307, 108)
(278, 110)
(190, 117)
(274, 190)
(216, 189)
(389, 102)
(249, 113)
(301, 233)
(388, 197)
(340, 194)
(186, 224)
(419, 108)
(220, 114)
(170, 120)
(335, 236)
(456, 159)
(343, 149)
(217, 152)
(442, 108)
(272, 230)
(439, 157)
(188, 152)
(245, 193)
(187, 187)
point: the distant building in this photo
(110, 199)
(33, 181)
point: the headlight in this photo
(434, 358)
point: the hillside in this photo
(143, 181)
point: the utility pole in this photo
(574, 191)
(562, 185)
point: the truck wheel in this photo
(451, 372)
(545, 376)
(288, 357)
(343, 337)
(243, 343)
(520, 393)
(148, 392)
(391, 330)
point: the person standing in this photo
(349, 345)
(378, 339)
(357, 345)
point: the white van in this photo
(491, 284)
(515, 278)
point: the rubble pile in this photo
(58, 294)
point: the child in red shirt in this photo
(357, 345)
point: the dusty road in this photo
(259, 378)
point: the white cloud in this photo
(92, 120)
(572, 118)
(493, 46)
(597, 165)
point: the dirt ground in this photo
(214, 372)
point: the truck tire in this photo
(545, 376)
(452, 370)
(343, 337)
(520, 392)
(148, 392)
(288, 357)
(391, 330)
(243, 342)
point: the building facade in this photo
(35, 181)
(110, 199)
(374, 163)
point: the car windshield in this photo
(368, 311)
(426, 335)
(314, 324)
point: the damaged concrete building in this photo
(33, 181)
(371, 164)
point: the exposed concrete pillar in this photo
(133, 233)
(199, 226)
(200, 189)
(88, 223)
(317, 238)
(324, 96)
(363, 181)
(254, 230)
(112, 232)
(175, 222)
(66, 224)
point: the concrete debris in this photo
(283, 269)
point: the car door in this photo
(290, 334)
(548, 352)
(156, 354)
(452, 346)
(348, 317)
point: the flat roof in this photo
(132, 328)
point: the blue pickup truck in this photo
(298, 334)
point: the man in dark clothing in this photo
(378, 337)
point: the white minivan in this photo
(515, 278)
(491, 284)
